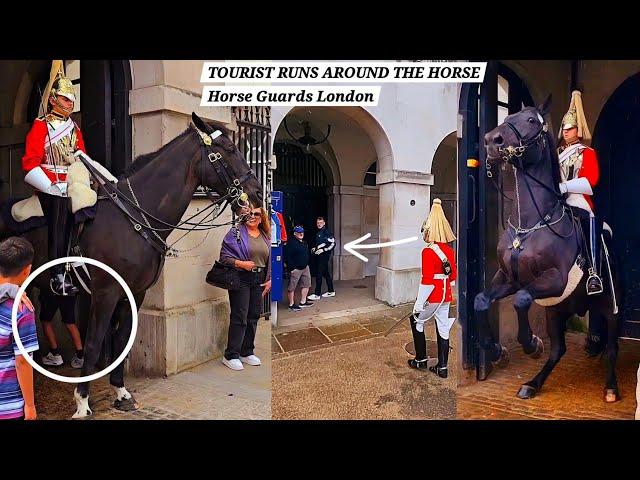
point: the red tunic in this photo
(431, 265)
(34, 154)
(589, 170)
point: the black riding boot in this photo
(420, 344)
(443, 357)
(594, 282)
(59, 222)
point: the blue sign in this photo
(277, 248)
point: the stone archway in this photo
(356, 141)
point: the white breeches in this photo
(443, 322)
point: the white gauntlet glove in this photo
(576, 185)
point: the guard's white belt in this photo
(55, 168)
(440, 276)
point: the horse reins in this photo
(234, 194)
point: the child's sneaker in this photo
(294, 308)
(52, 360)
(306, 304)
(77, 362)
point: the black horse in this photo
(540, 258)
(162, 183)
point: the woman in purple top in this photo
(247, 247)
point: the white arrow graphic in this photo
(352, 246)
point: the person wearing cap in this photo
(434, 293)
(580, 172)
(297, 258)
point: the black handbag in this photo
(223, 276)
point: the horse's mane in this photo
(143, 160)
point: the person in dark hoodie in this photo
(247, 247)
(17, 400)
(324, 245)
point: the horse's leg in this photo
(611, 393)
(490, 351)
(556, 323)
(531, 344)
(548, 284)
(122, 316)
(102, 307)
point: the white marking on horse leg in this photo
(82, 404)
(122, 393)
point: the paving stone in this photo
(573, 391)
(299, 339)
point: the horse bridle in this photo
(510, 151)
(230, 183)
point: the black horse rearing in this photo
(539, 254)
(163, 184)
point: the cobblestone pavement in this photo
(574, 390)
(208, 391)
(349, 370)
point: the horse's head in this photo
(223, 168)
(520, 138)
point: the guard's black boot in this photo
(443, 357)
(594, 282)
(418, 364)
(61, 284)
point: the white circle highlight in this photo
(134, 320)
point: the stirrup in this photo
(594, 276)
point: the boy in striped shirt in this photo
(16, 374)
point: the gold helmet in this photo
(63, 87)
(59, 85)
(575, 117)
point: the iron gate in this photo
(253, 139)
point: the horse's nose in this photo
(494, 138)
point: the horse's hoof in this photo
(503, 361)
(126, 405)
(527, 392)
(539, 349)
(611, 395)
(82, 414)
(484, 370)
